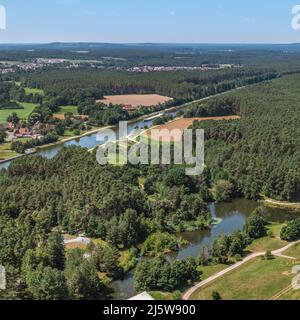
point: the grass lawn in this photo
(66, 109)
(164, 296)
(291, 295)
(68, 133)
(6, 153)
(268, 243)
(34, 91)
(293, 252)
(208, 271)
(22, 113)
(259, 279)
(31, 90)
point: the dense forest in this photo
(281, 57)
(139, 209)
(41, 198)
(259, 153)
(75, 86)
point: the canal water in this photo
(233, 215)
(92, 140)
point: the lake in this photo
(233, 215)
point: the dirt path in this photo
(278, 253)
(282, 292)
(282, 204)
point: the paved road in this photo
(278, 252)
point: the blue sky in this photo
(189, 21)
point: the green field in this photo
(31, 90)
(22, 113)
(6, 152)
(67, 109)
(34, 91)
(257, 280)
(294, 251)
(290, 295)
(268, 243)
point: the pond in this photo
(233, 215)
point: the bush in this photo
(216, 296)
(222, 190)
(255, 226)
(160, 243)
(161, 274)
(291, 231)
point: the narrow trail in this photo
(203, 283)
(281, 293)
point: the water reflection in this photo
(233, 215)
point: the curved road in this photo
(278, 253)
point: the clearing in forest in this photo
(135, 100)
(183, 124)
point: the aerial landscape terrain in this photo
(74, 228)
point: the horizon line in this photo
(149, 43)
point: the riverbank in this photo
(147, 116)
(281, 204)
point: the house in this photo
(23, 133)
(129, 108)
(82, 117)
(10, 126)
(38, 126)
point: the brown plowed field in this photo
(185, 123)
(135, 100)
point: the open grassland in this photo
(6, 152)
(257, 280)
(270, 242)
(22, 113)
(294, 252)
(68, 109)
(34, 91)
(181, 125)
(136, 100)
(291, 294)
(31, 90)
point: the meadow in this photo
(258, 280)
(22, 113)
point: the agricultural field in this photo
(183, 124)
(136, 100)
(22, 113)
